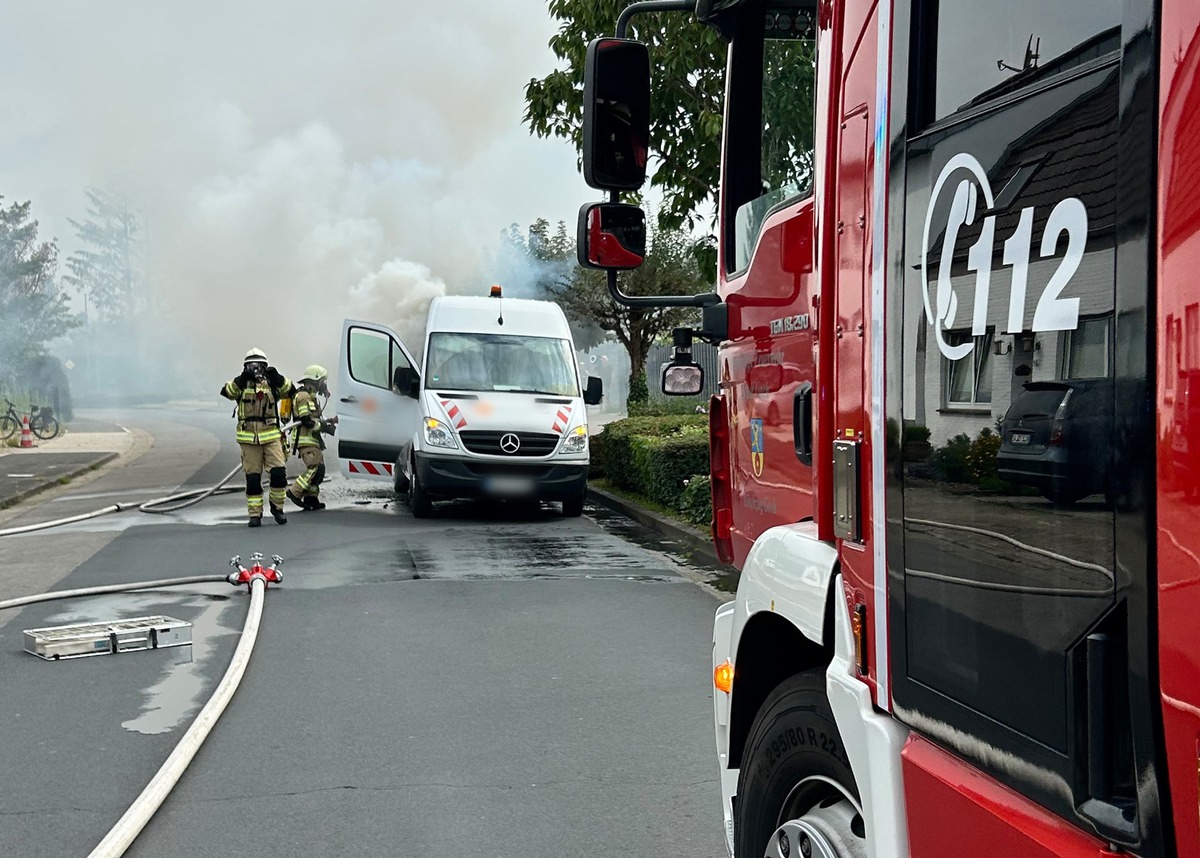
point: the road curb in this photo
(694, 539)
(44, 485)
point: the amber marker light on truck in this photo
(723, 676)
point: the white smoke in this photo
(398, 295)
(296, 162)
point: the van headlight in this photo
(438, 434)
(576, 441)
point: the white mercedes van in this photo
(495, 409)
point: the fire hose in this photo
(154, 506)
(256, 578)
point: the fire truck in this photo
(953, 454)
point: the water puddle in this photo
(180, 688)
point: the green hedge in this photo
(658, 458)
(663, 466)
(612, 454)
(696, 504)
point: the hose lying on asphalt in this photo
(154, 506)
(54, 595)
(130, 825)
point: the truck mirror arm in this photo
(707, 299)
(645, 6)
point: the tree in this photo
(33, 309)
(670, 269)
(688, 83)
(107, 269)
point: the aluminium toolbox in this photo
(84, 639)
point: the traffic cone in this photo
(26, 435)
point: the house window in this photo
(969, 380)
(1087, 350)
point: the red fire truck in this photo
(953, 452)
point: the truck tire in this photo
(795, 780)
(418, 500)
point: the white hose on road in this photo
(129, 826)
(149, 506)
(54, 595)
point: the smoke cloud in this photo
(296, 163)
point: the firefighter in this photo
(257, 392)
(308, 443)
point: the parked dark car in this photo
(1057, 437)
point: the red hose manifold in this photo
(269, 574)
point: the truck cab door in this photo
(378, 409)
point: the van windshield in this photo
(499, 362)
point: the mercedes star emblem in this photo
(510, 443)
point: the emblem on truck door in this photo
(756, 445)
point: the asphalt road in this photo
(500, 682)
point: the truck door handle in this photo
(802, 423)
(348, 399)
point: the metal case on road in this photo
(83, 639)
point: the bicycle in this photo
(42, 422)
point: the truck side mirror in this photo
(611, 236)
(679, 379)
(594, 392)
(616, 114)
(406, 381)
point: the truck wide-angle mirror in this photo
(682, 379)
(611, 236)
(616, 114)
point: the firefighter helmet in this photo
(255, 356)
(316, 372)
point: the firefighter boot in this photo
(313, 502)
(297, 500)
(277, 511)
(255, 521)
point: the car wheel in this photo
(1064, 496)
(418, 500)
(796, 792)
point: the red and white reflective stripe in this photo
(562, 418)
(454, 413)
(374, 469)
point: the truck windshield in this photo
(459, 361)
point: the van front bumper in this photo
(447, 478)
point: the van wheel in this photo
(418, 500)
(400, 480)
(573, 507)
(796, 792)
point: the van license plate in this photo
(1019, 438)
(512, 486)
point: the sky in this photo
(295, 162)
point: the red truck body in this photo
(965, 363)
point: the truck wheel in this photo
(796, 792)
(573, 507)
(418, 500)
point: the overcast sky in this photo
(295, 161)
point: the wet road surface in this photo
(498, 681)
